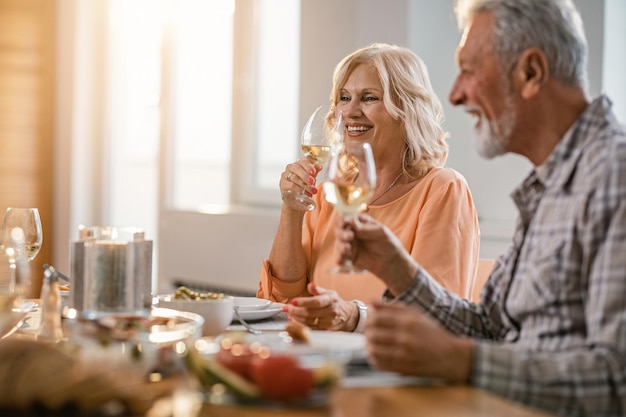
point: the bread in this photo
(298, 332)
(42, 377)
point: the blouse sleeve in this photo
(278, 290)
(275, 289)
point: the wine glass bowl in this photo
(22, 238)
(350, 185)
(323, 129)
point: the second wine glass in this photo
(350, 185)
(22, 237)
(323, 129)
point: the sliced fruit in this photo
(326, 375)
(279, 377)
(238, 359)
(231, 380)
(195, 363)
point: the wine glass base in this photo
(298, 201)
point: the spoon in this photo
(244, 323)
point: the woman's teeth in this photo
(358, 128)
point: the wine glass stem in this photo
(347, 262)
(13, 282)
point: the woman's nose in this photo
(351, 109)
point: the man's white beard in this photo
(489, 143)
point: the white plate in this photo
(350, 344)
(264, 313)
(347, 346)
(354, 342)
(251, 303)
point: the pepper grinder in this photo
(50, 329)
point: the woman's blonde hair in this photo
(409, 97)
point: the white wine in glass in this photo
(323, 129)
(350, 185)
(22, 237)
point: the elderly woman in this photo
(387, 100)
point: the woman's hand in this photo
(324, 310)
(299, 177)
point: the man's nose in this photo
(456, 96)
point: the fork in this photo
(244, 323)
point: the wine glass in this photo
(321, 131)
(21, 239)
(350, 185)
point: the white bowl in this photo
(217, 313)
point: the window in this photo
(183, 105)
(185, 71)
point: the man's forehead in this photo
(477, 36)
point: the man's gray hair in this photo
(553, 26)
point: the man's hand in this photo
(372, 246)
(406, 340)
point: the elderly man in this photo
(550, 329)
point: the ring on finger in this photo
(288, 178)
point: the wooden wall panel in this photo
(27, 45)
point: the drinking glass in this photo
(321, 131)
(350, 185)
(21, 238)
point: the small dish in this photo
(25, 306)
(236, 369)
(251, 303)
(265, 313)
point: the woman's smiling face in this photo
(366, 117)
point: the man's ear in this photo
(531, 72)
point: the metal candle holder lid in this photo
(111, 233)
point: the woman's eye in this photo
(370, 98)
(344, 98)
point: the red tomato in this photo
(237, 359)
(279, 377)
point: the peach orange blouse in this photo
(436, 222)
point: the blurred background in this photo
(178, 116)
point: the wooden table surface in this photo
(444, 401)
(388, 401)
(375, 401)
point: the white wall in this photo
(614, 68)
(434, 36)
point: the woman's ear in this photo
(532, 72)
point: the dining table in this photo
(361, 392)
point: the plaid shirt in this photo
(550, 330)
